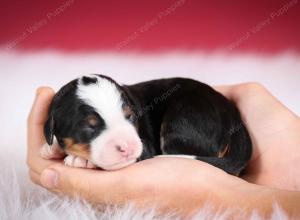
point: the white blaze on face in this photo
(118, 145)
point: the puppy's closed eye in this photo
(87, 129)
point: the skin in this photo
(183, 185)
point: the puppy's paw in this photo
(52, 151)
(74, 161)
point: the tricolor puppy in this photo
(98, 123)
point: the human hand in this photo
(167, 182)
(275, 135)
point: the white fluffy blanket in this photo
(21, 73)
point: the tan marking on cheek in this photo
(223, 152)
(68, 142)
(81, 150)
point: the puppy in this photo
(98, 123)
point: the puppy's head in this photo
(93, 117)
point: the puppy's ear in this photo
(49, 130)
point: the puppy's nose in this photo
(124, 150)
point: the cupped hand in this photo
(177, 183)
(165, 182)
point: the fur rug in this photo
(21, 73)
(20, 199)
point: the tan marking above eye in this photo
(127, 110)
(81, 150)
(223, 152)
(92, 120)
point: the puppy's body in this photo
(168, 116)
(190, 118)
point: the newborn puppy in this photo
(99, 123)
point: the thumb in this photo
(49, 178)
(92, 185)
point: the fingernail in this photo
(49, 178)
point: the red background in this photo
(102, 25)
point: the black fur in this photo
(197, 121)
(88, 80)
(191, 118)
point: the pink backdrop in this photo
(262, 26)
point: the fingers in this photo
(92, 185)
(35, 124)
(257, 105)
(35, 177)
(38, 116)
